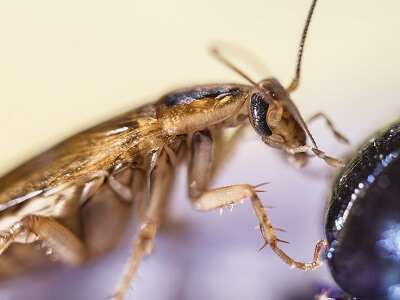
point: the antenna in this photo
(214, 51)
(296, 80)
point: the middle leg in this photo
(159, 180)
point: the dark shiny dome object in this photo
(363, 220)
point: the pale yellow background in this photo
(67, 64)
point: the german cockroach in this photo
(129, 161)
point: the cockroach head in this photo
(272, 112)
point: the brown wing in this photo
(120, 140)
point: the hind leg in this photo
(158, 181)
(57, 239)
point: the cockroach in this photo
(129, 160)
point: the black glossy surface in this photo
(258, 114)
(363, 220)
(187, 96)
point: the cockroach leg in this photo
(334, 162)
(58, 239)
(200, 164)
(7, 238)
(211, 199)
(217, 198)
(114, 211)
(338, 135)
(141, 248)
(159, 181)
(124, 192)
(278, 142)
(208, 153)
(270, 238)
(224, 147)
(230, 195)
(171, 155)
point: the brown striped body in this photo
(70, 181)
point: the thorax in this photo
(188, 110)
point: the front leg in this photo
(331, 126)
(205, 199)
(278, 142)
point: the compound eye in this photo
(258, 114)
